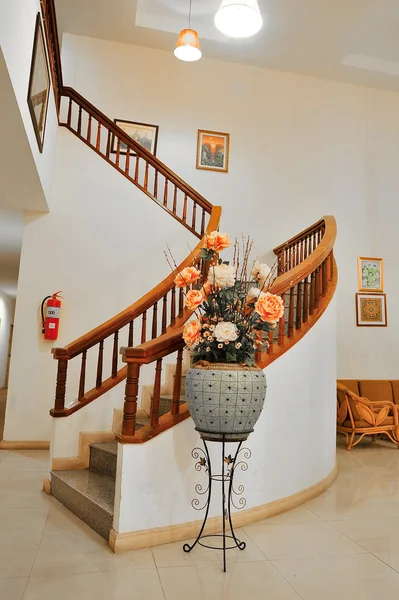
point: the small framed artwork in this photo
(143, 133)
(213, 151)
(371, 310)
(370, 274)
(39, 84)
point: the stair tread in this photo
(97, 487)
(170, 397)
(111, 447)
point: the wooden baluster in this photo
(298, 322)
(89, 130)
(147, 166)
(156, 185)
(177, 383)
(281, 326)
(181, 302)
(184, 209)
(291, 314)
(108, 150)
(203, 221)
(136, 170)
(165, 193)
(157, 394)
(115, 354)
(127, 162)
(175, 200)
(312, 292)
(99, 378)
(60, 389)
(154, 320)
(130, 404)
(300, 259)
(164, 313)
(331, 256)
(82, 379)
(144, 328)
(194, 219)
(131, 333)
(324, 278)
(79, 130)
(98, 140)
(317, 287)
(118, 151)
(173, 307)
(69, 117)
(306, 300)
(270, 337)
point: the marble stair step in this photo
(103, 457)
(89, 495)
(165, 403)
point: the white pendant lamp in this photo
(188, 47)
(239, 18)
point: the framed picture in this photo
(213, 151)
(39, 84)
(370, 274)
(371, 310)
(143, 133)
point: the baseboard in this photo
(82, 460)
(24, 445)
(47, 486)
(121, 542)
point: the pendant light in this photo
(188, 47)
(239, 18)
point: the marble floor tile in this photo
(354, 577)
(18, 550)
(13, 589)
(26, 460)
(252, 580)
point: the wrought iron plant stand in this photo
(231, 496)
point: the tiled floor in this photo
(342, 545)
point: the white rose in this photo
(260, 271)
(222, 275)
(254, 292)
(226, 332)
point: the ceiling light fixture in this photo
(239, 18)
(188, 47)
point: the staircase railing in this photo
(159, 311)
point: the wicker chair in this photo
(359, 415)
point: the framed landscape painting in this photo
(39, 84)
(371, 310)
(213, 151)
(143, 133)
(370, 274)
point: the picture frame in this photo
(213, 149)
(370, 274)
(39, 84)
(371, 310)
(143, 133)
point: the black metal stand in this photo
(229, 466)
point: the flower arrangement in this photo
(232, 306)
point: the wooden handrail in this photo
(93, 337)
(300, 235)
(135, 147)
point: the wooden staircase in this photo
(149, 331)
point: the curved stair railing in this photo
(306, 280)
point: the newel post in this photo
(130, 404)
(60, 390)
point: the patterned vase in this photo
(225, 399)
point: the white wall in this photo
(300, 148)
(102, 244)
(7, 307)
(293, 445)
(17, 26)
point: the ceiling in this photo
(347, 40)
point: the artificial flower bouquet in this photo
(232, 306)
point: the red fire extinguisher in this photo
(50, 323)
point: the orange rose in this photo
(269, 307)
(217, 241)
(193, 299)
(187, 277)
(191, 333)
(207, 288)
